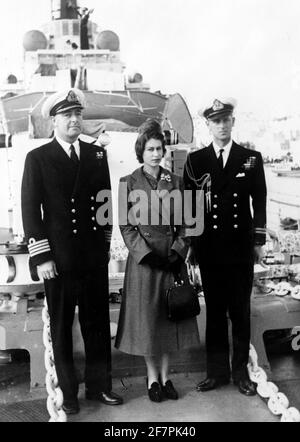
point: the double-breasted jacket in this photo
(61, 205)
(235, 208)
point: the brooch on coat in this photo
(250, 163)
(99, 155)
(165, 177)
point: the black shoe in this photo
(107, 398)
(154, 392)
(246, 387)
(71, 407)
(211, 384)
(169, 390)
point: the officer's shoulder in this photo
(40, 151)
(93, 146)
(195, 154)
(249, 152)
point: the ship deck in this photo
(23, 394)
(19, 403)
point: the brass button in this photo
(215, 196)
(93, 218)
(235, 195)
(215, 206)
(95, 228)
(72, 200)
(75, 231)
(235, 205)
(235, 226)
(92, 198)
(215, 216)
(74, 221)
(73, 211)
(235, 215)
(215, 226)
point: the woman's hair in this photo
(150, 129)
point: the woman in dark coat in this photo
(152, 234)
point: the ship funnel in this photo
(64, 9)
(34, 40)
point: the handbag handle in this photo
(178, 280)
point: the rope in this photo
(277, 402)
(55, 396)
(200, 182)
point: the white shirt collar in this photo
(66, 146)
(226, 151)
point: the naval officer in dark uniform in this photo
(234, 232)
(69, 242)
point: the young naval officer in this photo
(230, 244)
(60, 183)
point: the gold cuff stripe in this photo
(39, 247)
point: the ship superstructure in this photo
(70, 51)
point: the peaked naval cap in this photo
(63, 101)
(218, 108)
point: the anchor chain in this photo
(277, 402)
(55, 395)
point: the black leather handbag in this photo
(182, 300)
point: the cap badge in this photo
(217, 105)
(71, 97)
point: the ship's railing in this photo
(77, 52)
(87, 58)
(77, 56)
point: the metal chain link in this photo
(55, 395)
(277, 402)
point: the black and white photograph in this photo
(150, 213)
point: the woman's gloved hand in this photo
(173, 257)
(155, 261)
(175, 262)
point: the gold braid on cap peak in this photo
(218, 108)
(71, 101)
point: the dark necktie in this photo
(74, 156)
(220, 159)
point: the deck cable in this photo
(277, 402)
(55, 395)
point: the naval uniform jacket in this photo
(235, 211)
(60, 207)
